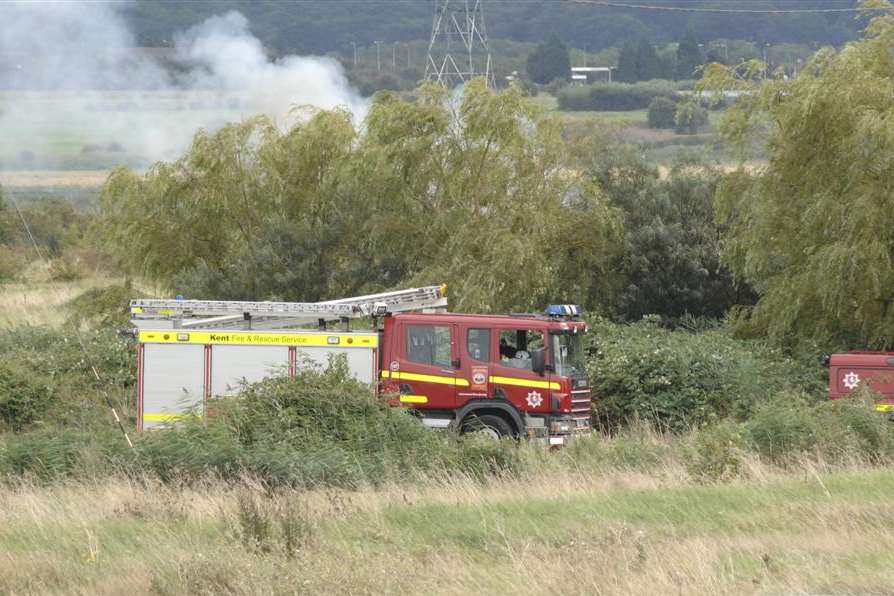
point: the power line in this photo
(634, 6)
(610, 4)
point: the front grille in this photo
(580, 409)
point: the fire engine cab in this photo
(507, 375)
(510, 375)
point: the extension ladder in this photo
(204, 314)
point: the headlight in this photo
(562, 425)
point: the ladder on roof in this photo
(205, 314)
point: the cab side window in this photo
(478, 344)
(516, 346)
(428, 344)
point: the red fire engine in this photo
(513, 375)
(849, 371)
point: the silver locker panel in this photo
(233, 365)
(173, 382)
(360, 360)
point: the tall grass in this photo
(619, 532)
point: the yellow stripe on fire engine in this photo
(525, 383)
(249, 338)
(413, 399)
(441, 380)
(163, 417)
(884, 407)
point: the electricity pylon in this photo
(458, 50)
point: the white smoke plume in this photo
(75, 90)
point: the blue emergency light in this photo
(564, 310)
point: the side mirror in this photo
(538, 361)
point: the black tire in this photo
(489, 425)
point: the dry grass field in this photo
(623, 532)
(92, 179)
(38, 303)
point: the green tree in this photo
(474, 194)
(549, 61)
(648, 65)
(661, 113)
(628, 71)
(670, 264)
(814, 229)
(689, 57)
(690, 118)
(667, 61)
(638, 62)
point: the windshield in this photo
(568, 354)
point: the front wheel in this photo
(487, 425)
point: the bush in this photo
(574, 98)
(54, 223)
(527, 87)
(42, 455)
(555, 86)
(852, 428)
(322, 427)
(682, 380)
(615, 96)
(106, 307)
(12, 263)
(788, 426)
(68, 267)
(45, 379)
(48, 455)
(25, 396)
(690, 118)
(662, 112)
(635, 447)
(783, 428)
(716, 452)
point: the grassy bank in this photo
(39, 302)
(624, 532)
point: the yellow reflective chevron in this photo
(413, 399)
(410, 376)
(460, 382)
(163, 417)
(517, 382)
(884, 407)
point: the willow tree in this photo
(813, 230)
(472, 192)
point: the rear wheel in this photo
(487, 425)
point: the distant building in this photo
(591, 74)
